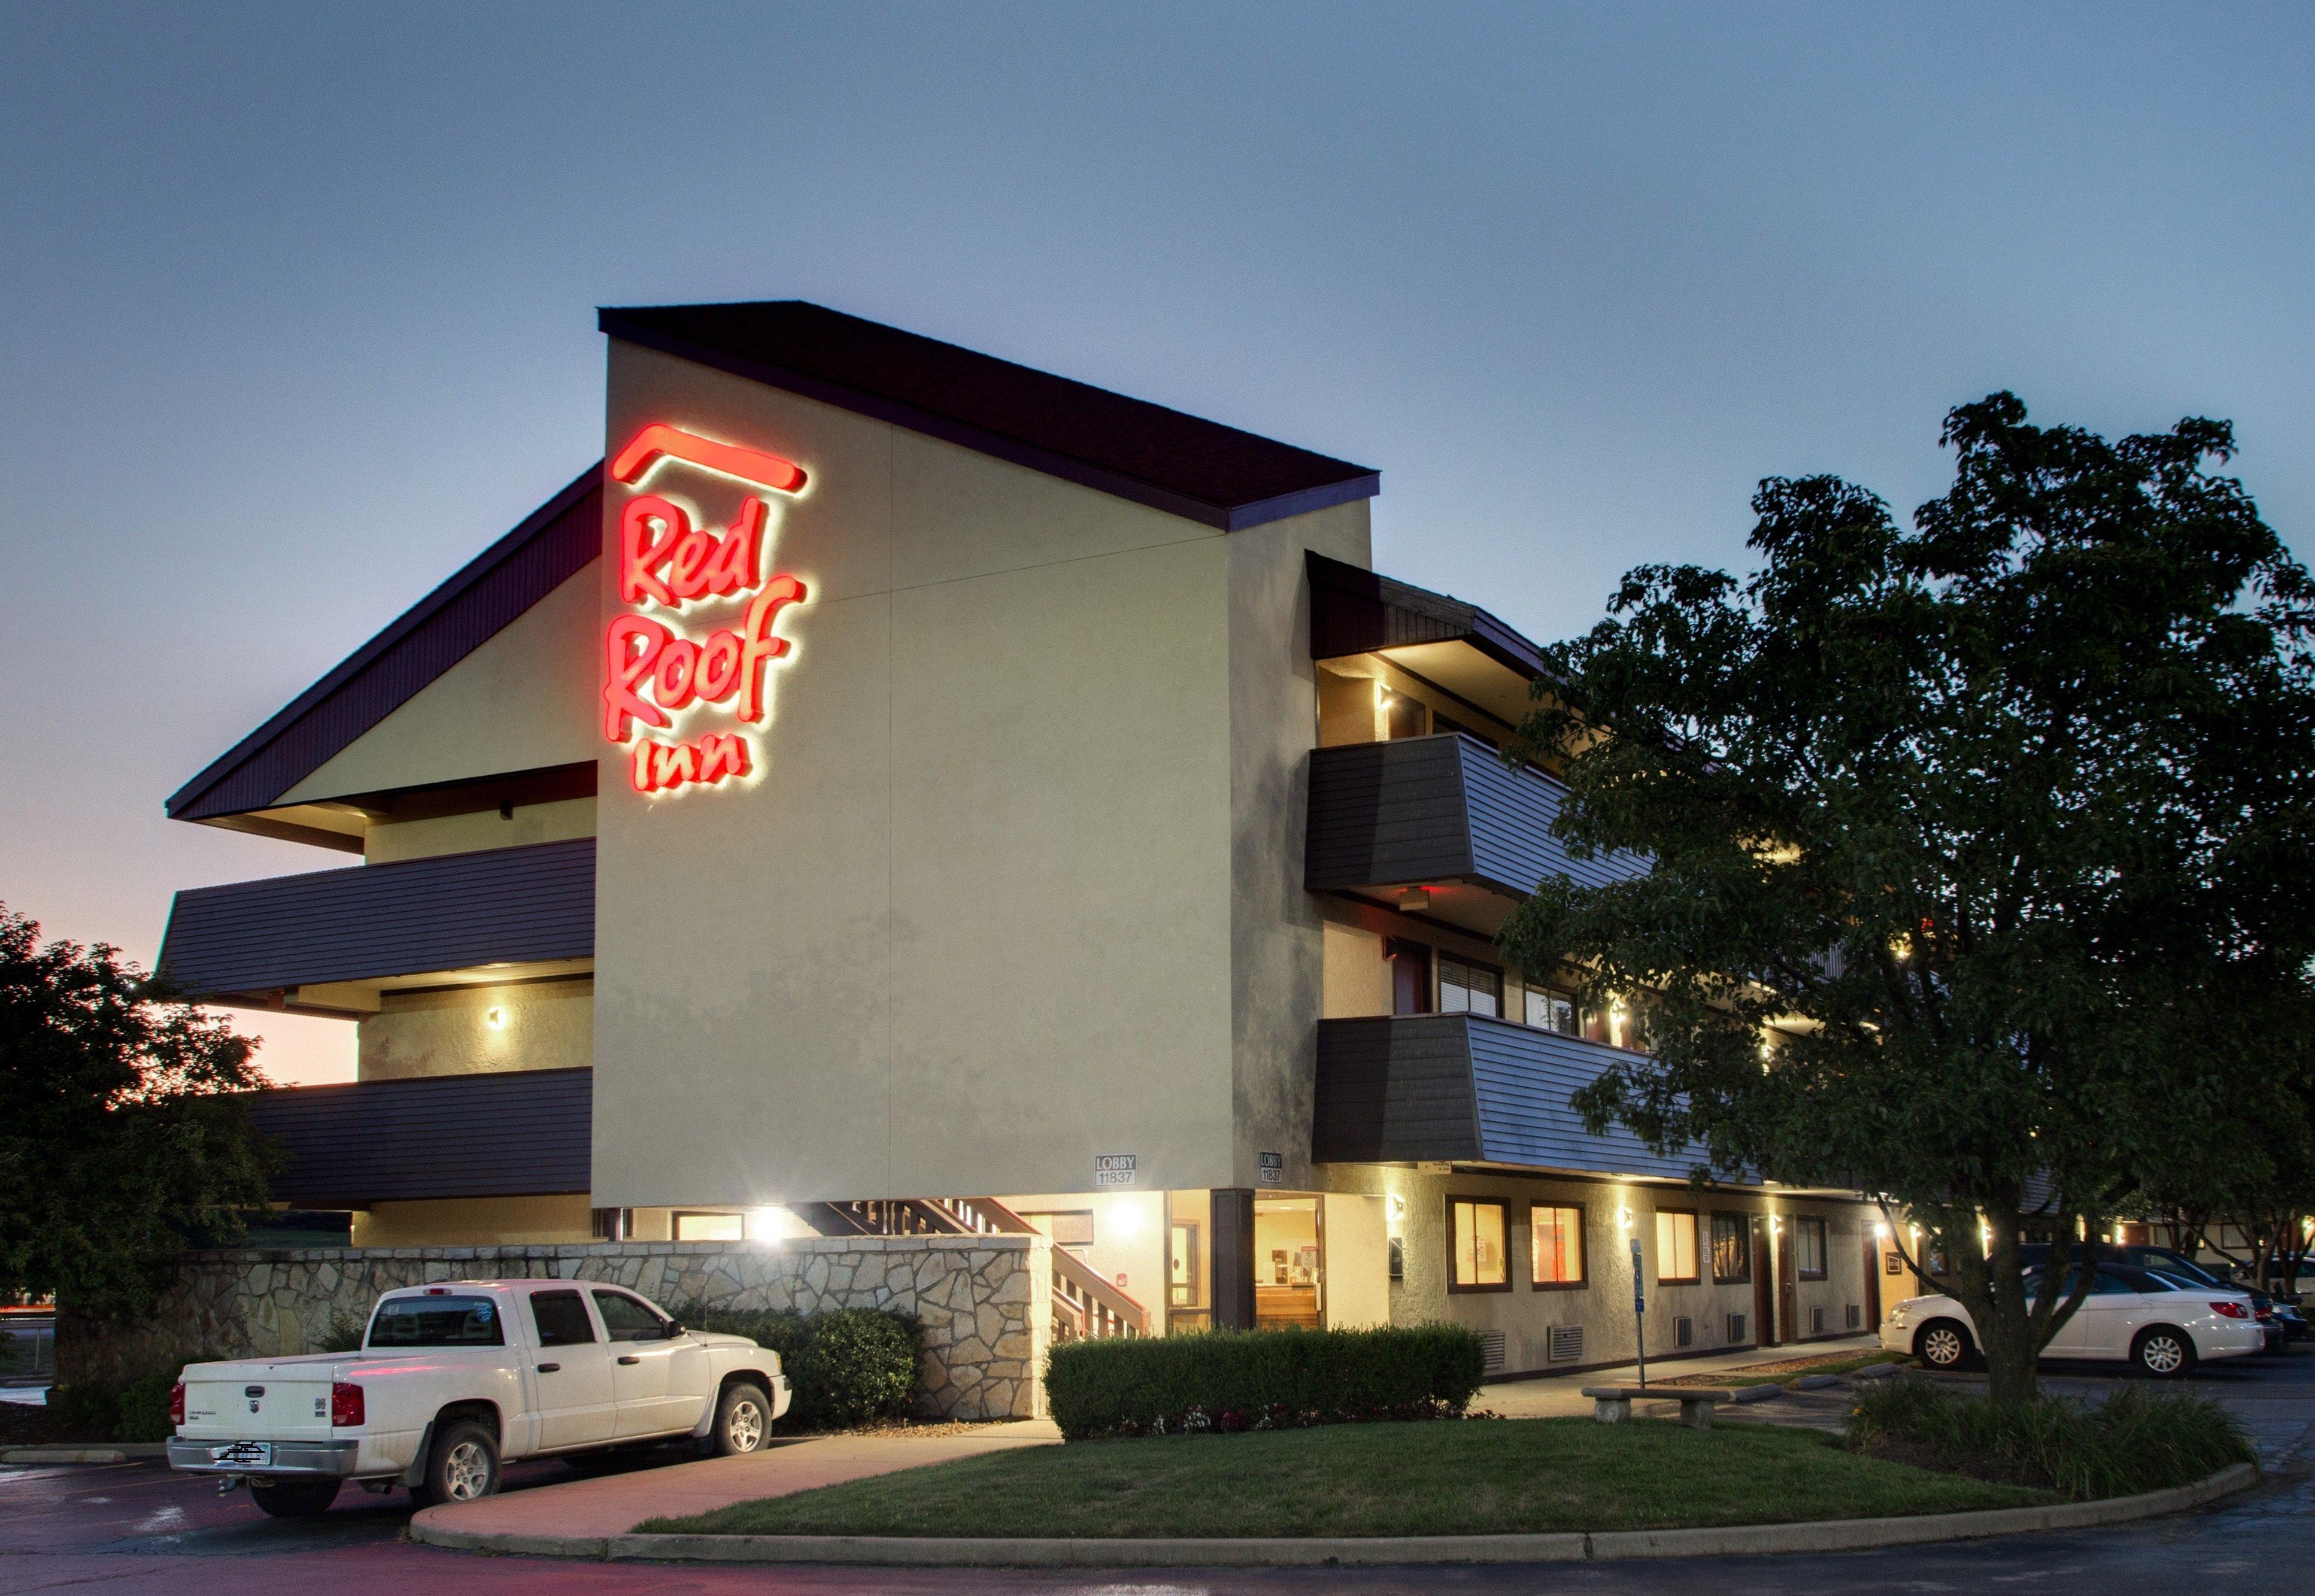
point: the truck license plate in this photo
(250, 1454)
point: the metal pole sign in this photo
(1640, 1309)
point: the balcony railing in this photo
(1465, 1088)
(506, 1133)
(456, 911)
(1438, 809)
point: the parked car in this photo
(2286, 1322)
(2134, 1315)
(455, 1380)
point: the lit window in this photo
(1551, 1011)
(1675, 1246)
(1555, 1246)
(1732, 1248)
(704, 1227)
(1465, 988)
(1482, 1259)
(1808, 1248)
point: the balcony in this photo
(1463, 1088)
(511, 1133)
(328, 942)
(1441, 812)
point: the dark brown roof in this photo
(1177, 463)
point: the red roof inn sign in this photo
(653, 671)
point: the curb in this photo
(121, 1453)
(1834, 1535)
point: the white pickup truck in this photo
(452, 1381)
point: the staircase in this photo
(1085, 1307)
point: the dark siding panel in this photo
(1523, 1080)
(1394, 1089)
(1512, 813)
(479, 600)
(517, 1134)
(1386, 812)
(1461, 1087)
(518, 904)
(1434, 809)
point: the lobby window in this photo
(1479, 1235)
(1551, 1011)
(1732, 1248)
(1555, 1245)
(1465, 988)
(1676, 1246)
(1808, 1248)
(707, 1226)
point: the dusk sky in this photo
(300, 300)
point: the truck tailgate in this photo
(288, 1399)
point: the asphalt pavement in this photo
(135, 1528)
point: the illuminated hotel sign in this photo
(653, 670)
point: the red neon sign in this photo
(772, 471)
(650, 670)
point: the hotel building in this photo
(898, 792)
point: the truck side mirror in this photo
(673, 1329)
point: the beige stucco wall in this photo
(387, 841)
(474, 1222)
(522, 701)
(549, 1025)
(975, 923)
(1358, 1260)
(1357, 976)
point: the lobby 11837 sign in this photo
(669, 570)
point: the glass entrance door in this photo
(1289, 1272)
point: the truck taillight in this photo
(346, 1406)
(2231, 1310)
(176, 1404)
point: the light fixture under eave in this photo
(1414, 900)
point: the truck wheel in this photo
(294, 1498)
(744, 1419)
(462, 1466)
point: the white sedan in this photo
(2131, 1316)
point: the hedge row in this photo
(847, 1365)
(1262, 1380)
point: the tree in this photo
(118, 1137)
(1972, 844)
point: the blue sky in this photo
(300, 299)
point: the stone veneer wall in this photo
(985, 1302)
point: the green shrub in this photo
(2134, 1441)
(346, 1333)
(130, 1410)
(1262, 1380)
(848, 1366)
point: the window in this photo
(1482, 1259)
(1465, 988)
(613, 1224)
(699, 1226)
(1555, 1241)
(561, 1319)
(1675, 1246)
(1732, 1248)
(629, 1319)
(1808, 1248)
(432, 1321)
(1551, 1011)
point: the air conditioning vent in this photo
(1816, 1321)
(1568, 1343)
(1683, 1332)
(1735, 1328)
(1856, 1317)
(1493, 1341)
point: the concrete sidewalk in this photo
(1561, 1395)
(613, 1504)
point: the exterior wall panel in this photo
(521, 1133)
(450, 912)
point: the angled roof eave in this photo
(1364, 611)
(417, 646)
(1302, 482)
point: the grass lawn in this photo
(1472, 1477)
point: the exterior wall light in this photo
(495, 1017)
(1398, 1206)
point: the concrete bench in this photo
(1612, 1404)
